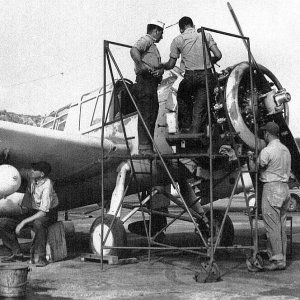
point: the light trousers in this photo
(275, 201)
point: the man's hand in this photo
(214, 60)
(250, 154)
(19, 227)
(252, 163)
(227, 150)
(158, 72)
(143, 69)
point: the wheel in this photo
(228, 230)
(294, 203)
(116, 237)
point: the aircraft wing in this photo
(69, 155)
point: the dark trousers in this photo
(147, 102)
(39, 226)
(192, 100)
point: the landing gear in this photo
(116, 236)
(227, 236)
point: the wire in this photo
(171, 25)
(33, 80)
(49, 76)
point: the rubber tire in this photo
(227, 237)
(117, 236)
(294, 203)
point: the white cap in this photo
(157, 23)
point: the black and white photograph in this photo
(149, 149)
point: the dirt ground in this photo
(167, 275)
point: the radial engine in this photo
(245, 106)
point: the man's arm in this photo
(170, 64)
(259, 164)
(217, 53)
(37, 215)
(137, 58)
(174, 55)
(252, 164)
(43, 208)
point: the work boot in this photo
(42, 262)
(31, 260)
(275, 266)
(13, 258)
(146, 152)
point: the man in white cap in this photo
(191, 96)
(147, 60)
(274, 163)
(148, 75)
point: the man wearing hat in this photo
(147, 60)
(149, 73)
(39, 210)
(275, 167)
(191, 96)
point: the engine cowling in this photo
(236, 87)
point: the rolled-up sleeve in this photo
(264, 158)
(174, 50)
(142, 44)
(210, 40)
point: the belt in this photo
(150, 77)
(146, 74)
(196, 71)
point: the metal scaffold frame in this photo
(208, 249)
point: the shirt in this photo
(40, 194)
(276, 159)
(189, 45)
(149, 52)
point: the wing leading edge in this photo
(68, 154)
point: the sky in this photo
(51, 52)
